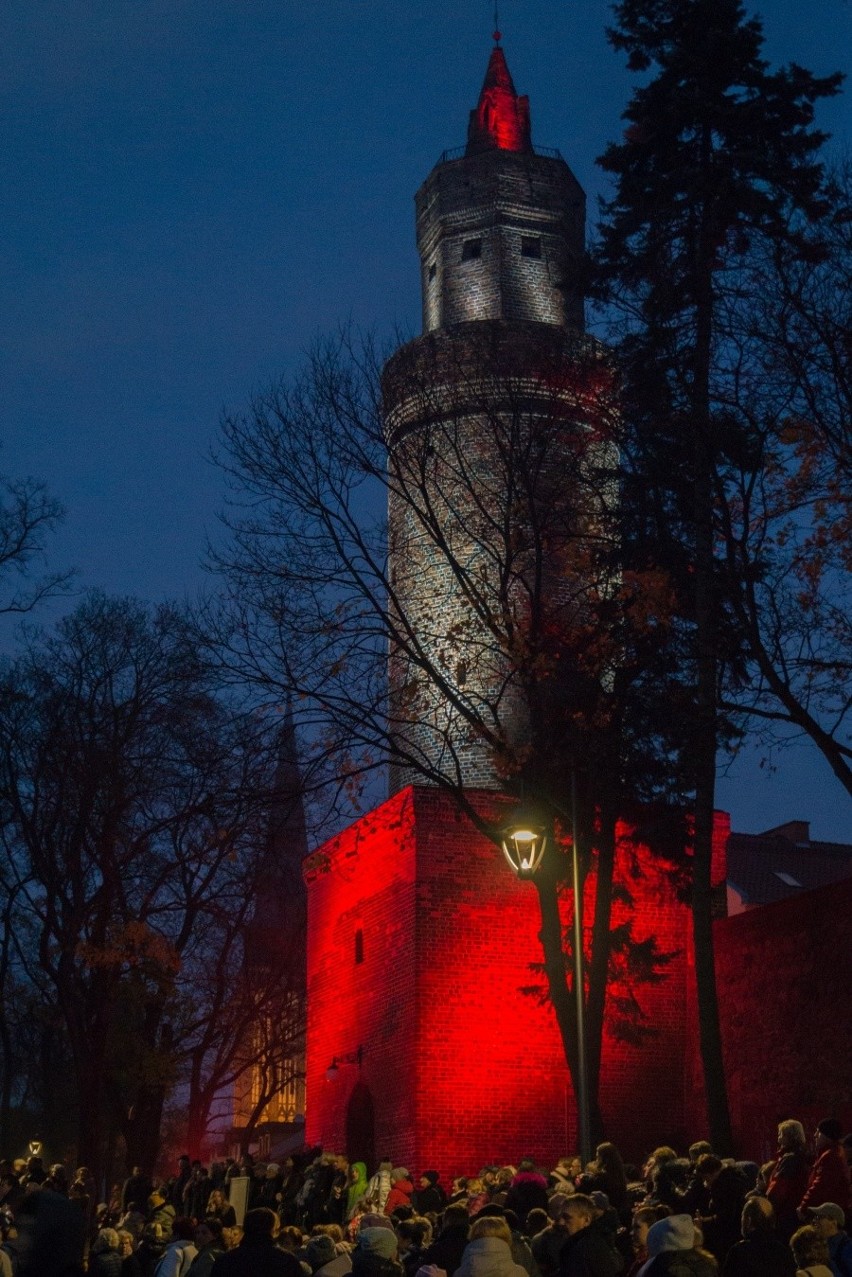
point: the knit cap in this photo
(320, 1250)
(378, 1241)
(676, 1232)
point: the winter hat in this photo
(829, 1210)
(676, 1232)
(372, 1219)
(378, 1241)
(830, 1128)
(320, 1250)
(399, 1172)
(432, 1176)
(599, 1200)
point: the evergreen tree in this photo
(720, 153)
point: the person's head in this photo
(184, 1162)
(828, 1132)
(107, 1239)
(608, 1159)
(578, 1213)
(260, 1224)
(183, 1229)
(372, 1219)
(675, 1232)
(490, 1226)
(455, 1215)
(791, 1136)
(526, 1165)
(414, 1233)
(828, 1219)
(125, 1242)
(698, 1149)
(216, 1199)
(708, 1167)
(808, 1247)
(757, 1217)
(380, 1242)
(537, 1219)
(209, 1233)
(429, 1179)
(290, 1238)
(643, 1219)
(320, 1250)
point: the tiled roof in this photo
(766, 867)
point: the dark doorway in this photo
(361, 1127)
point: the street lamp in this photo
(353, 1057)
(524, 840)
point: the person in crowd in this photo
(477, 1195)
(761, 1253)
(694, 1197)
(589, 1250)
(105, 1255)
(209, 1245)
(257, 1255)
(135, 1191)
(269, 1191)
(546, 1244)
(830, 1222)
(180, 1249)
(324, 1259)
(606, 1175)
(130, 1263)
(400, 1191)
(529, 1189)
(672, 1250)
(379, 1186)
(375, 1253)
(663, 1176)
(788, 1178)
(196, 1193)
(50, 1234)
(829, 1178)
(356, 1187)
(174, 1189)
(520, 1247)
(448, 1247)
(488, 1252)
(561, 1178)
(727, 1188)
(151, 1247)
(429, 1196)
(458, 1190)
(161, 1212)
(218, 1208)
(644, 1217)
(810, 1252)
(414, 1237)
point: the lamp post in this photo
(353, 1057)
(525, 840)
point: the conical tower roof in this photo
(501, 120)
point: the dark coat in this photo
(432, 1199)
(721, 1225)
(761, 1254)
(528, 1190)
(786, 1188)
(447, 1249)
(590, 1253)
(681, 1263)
(106, 1263)
(260, 1258)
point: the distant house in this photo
(781, 863)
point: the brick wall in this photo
(786, 1011)
(462, 1065)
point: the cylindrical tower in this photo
(492, 420)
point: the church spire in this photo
(501, 120)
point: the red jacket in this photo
(829, 1181)
(400, 1194)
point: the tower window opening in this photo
(530, 246)
(359, 947)
(433, 270)
(471, 249)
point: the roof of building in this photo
(501, 120)
(784, 862)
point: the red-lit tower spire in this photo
(501, 119)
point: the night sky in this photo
(192, 190)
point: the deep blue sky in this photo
(191, 190)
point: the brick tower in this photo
(421, 943)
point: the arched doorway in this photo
(361, 1127)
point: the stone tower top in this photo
(501, 223)
(501, 119)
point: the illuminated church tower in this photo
(421, 942)
(500, 233)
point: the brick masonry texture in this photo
(463, 1066)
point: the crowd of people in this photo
(319, 1215)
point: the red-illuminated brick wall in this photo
(463, 1067)
(786, 1011)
